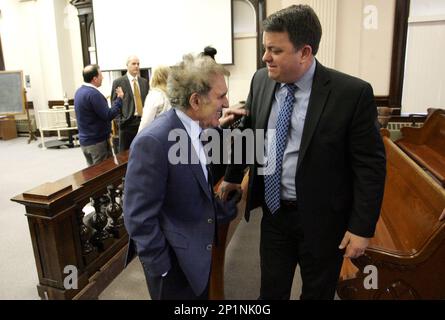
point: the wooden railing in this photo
(63, 236)
(60, 237)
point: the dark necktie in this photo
(272, 180)
(210, 182)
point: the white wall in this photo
(424, 84)
(245, 66)
(244, 48)
(66, 22)
(160, 31)
(244, 27)
(419, 8)
(20, 44)
(42, 38)
(365, 53)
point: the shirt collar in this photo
(86, 84)
(131, 78)
(305, 82)
(192, 126)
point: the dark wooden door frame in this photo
(398, 54)
(260, 13)
(394, 98)
(2, 61)
(86, 19)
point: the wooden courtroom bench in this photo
(408, 249)
(426, 145)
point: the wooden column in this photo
(398, 54)
(86, 19)
(260, 12)
(2, 61)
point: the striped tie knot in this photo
(291, 88)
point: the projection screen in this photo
(160, 31)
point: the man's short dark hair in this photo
(300, 22)
(89, 72)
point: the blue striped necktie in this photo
(272, 180)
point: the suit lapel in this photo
(199, 175)
(317, 101)
(141, 86)
(195, 168)
(264, 111)
(129, 91)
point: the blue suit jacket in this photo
(168, 207)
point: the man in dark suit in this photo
(136, 89)
(169, 209)
(322, 186)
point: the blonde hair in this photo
(159, 78)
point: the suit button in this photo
(210, 220)
(209, 247)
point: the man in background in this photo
(94, 116)
(136, 89)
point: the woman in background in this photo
(157, 100)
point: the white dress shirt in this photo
(194, 132)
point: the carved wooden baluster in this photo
(89, 251)
(114, 211)
(120, 195)
(98, 220)
(104, 238)
(85, 236)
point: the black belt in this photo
(289, 204)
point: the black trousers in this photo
(127, 132)
(174, 286)
(282, 248)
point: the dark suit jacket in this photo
(169, 207)
(128, 105)
(341, 165)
